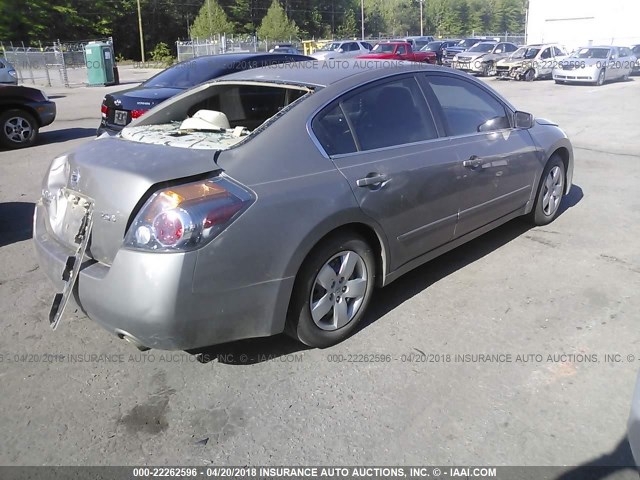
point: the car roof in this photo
(322, 73)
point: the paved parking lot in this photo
(551, 301)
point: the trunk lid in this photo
(116, 174)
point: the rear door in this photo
(498, 163)
(384, 140)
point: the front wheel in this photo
(489, 69)
(332, 291)
(19, 129)
(550, 192)
(529, 75)
(601, 76)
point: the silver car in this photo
(8, 74)
(482, 57)
(278, 199)
(340, 50)
(595, 65)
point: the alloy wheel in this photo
(18, 129)
(552, 192)
(338, 290)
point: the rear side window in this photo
(332, 131)
(384, 115)
(388, 114)
(467, 108)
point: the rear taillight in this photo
(137, 113)
(188, 216)
(104, 110)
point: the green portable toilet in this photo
(99, 61)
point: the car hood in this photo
(473, 55)
(325, 55)
(378, 55)
(116, 174)
(140, 98)
(514, 62)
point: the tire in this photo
(529, 75)
(625, 77)
(600, 80)
(18, 129)
(542, 214)
(488, 69)
(342, 313)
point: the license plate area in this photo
(120, 117)
(74, 262)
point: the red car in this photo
(399, 51)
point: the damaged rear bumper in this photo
(148, 297)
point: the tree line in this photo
(30, 21)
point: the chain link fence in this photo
(54, 64)
(197, 47)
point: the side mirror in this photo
(523, 120)
(340, 50)
(498, 50)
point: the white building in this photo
(575, 23)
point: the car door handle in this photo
(473, 162)
(371, 179)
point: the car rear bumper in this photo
(109, 129)
(149, 298)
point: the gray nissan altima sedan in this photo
(278, 198)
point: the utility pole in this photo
(141, 35)
(362, 17)
(421, 19)
(209, 16)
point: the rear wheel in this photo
(19, 129)
(332, 291)
(550, 192)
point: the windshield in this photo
(592, 53)
(431, 47)
(525, 52)
(330, 47)
(469, 42)
(420, 43)
(183, 75)
(482, 47)
(384, 48)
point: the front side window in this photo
(402, 50)
(546, 54)
(467, 108)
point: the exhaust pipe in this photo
(132, 340)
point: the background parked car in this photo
(8, 74)
(595, 65)
(23, 111)
(399, 51)
(530, 62)
(120, 108)
(417, 42)
(438, 47)
(636, 52)
(462, 46)
(344, 49)
(285, 48)
(482, 57)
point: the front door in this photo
(498, 163)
